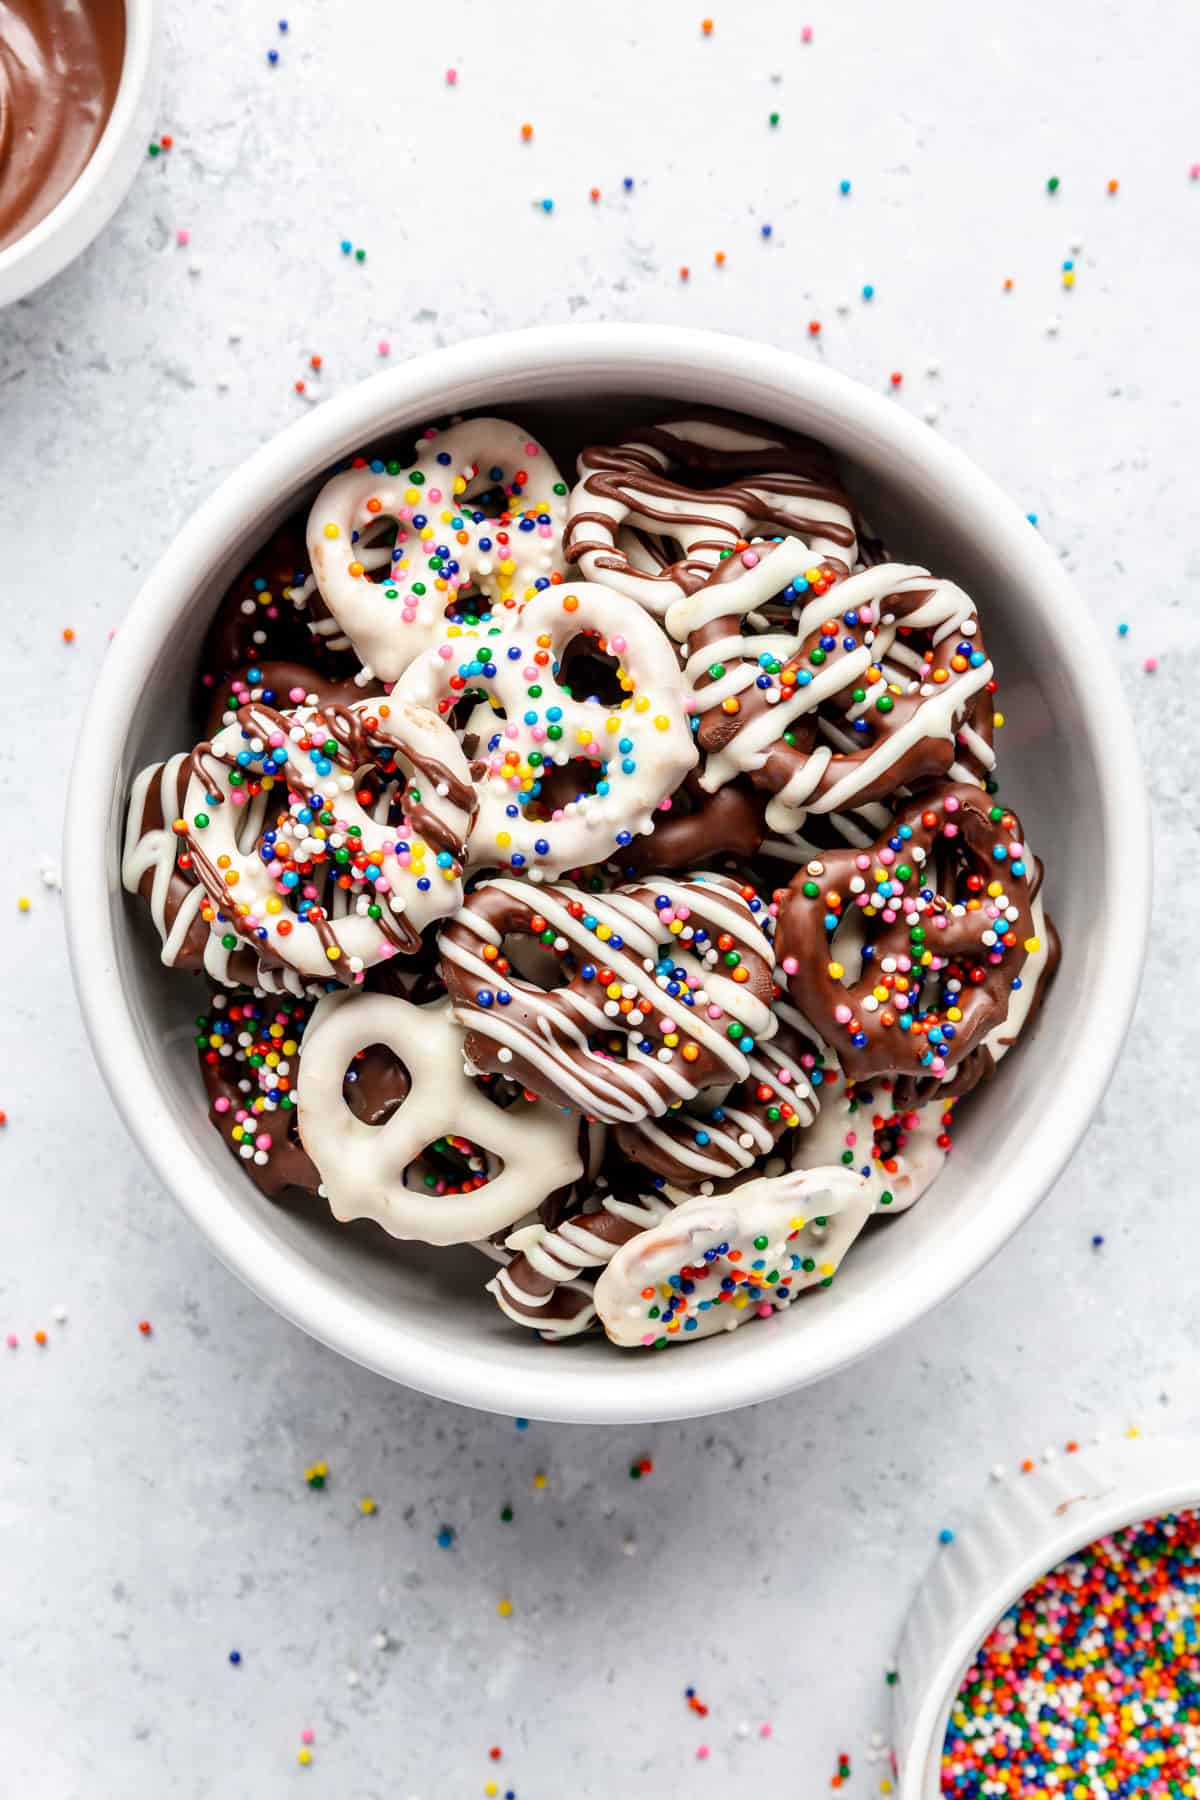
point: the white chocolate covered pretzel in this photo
(563, 778)
(363, 1167)
(716, 1261)
(444, 544)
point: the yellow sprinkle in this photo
(836, 971)
(612, 723)
(676, 927)
(1068, 278)
(333, 953)
(604, 932)
(539, 1480)
(641, 704)
(583, 735)
(826, 1268)
(366, 1505)
(613, 991)
(489, 1787)
(998, 720)
(671, 1040)
(1033, 945)
(304, 1757)
(740, 1301)
(23, 903)
(411, 496)
(331, 531)
(796, 1224)
(661, 722)
(504, 1608)
(460, 485)
(1133, 1432)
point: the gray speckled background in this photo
(153, 1505)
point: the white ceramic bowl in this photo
(1031, 1524)
(1069, 763)
(105, 179)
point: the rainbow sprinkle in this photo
(1089, 1688)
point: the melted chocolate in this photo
(60, 67)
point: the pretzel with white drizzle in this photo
(363, 1167)
(688, 1147)
(668, 988)
(443, 543)
(717, 1260)
(543, 1286)
(661, 480)
(530, 728)
(292, 865)
(866, 696)
(901, 956)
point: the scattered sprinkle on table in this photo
(367, 1506)
(23, 903)
(706, 26)
(504, 1608)
(1053, 184)
(145, 1327)
(945, 1535)
(1090, 1684)
(643, 1466)
(235, 1657)
(445, 1537)
(317, 1475)
(843, 186)
(526, 133)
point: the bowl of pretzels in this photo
(585, 816)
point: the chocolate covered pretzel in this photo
(902, 957)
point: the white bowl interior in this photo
(421, 1315)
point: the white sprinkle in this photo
(235, 334)
(352, 1678)
(933, 368)
(931, 415)
(381, 1640)
(60, 1315)
(1052, 325)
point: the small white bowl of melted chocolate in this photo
(78, 88)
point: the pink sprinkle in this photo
(952, 803)
(297, 694)
(183, 237)
(221, 1104)
(765, 1730)
(307, 1735)
(1194, 171)
(806, 34)
(702, 1753)
(790, 965)
(750, 559)
(617, 643)
(12, 1340)
(842, 1014)
(451, 77)
(1150, 664)
(950, 831)
(862, 862)
(383, 347)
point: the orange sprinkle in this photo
(526, 133)
(706, 26)
(1112, 186)
(68, 635)
(570, 603)
(719, 259)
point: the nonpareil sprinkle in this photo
(1090, 1685)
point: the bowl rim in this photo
(66, 231)
(359, 1327)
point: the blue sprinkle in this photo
(235, 1657)
(627, 184)
(945, 1535)
(843, 186)
(272, 56)
(445, 1537)
(766, 230)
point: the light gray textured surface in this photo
(153, 1505)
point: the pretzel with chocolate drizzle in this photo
(866, 696)
(416, 527)
(664, 479)
(667, 990)
(902, 957)
(365, 887)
